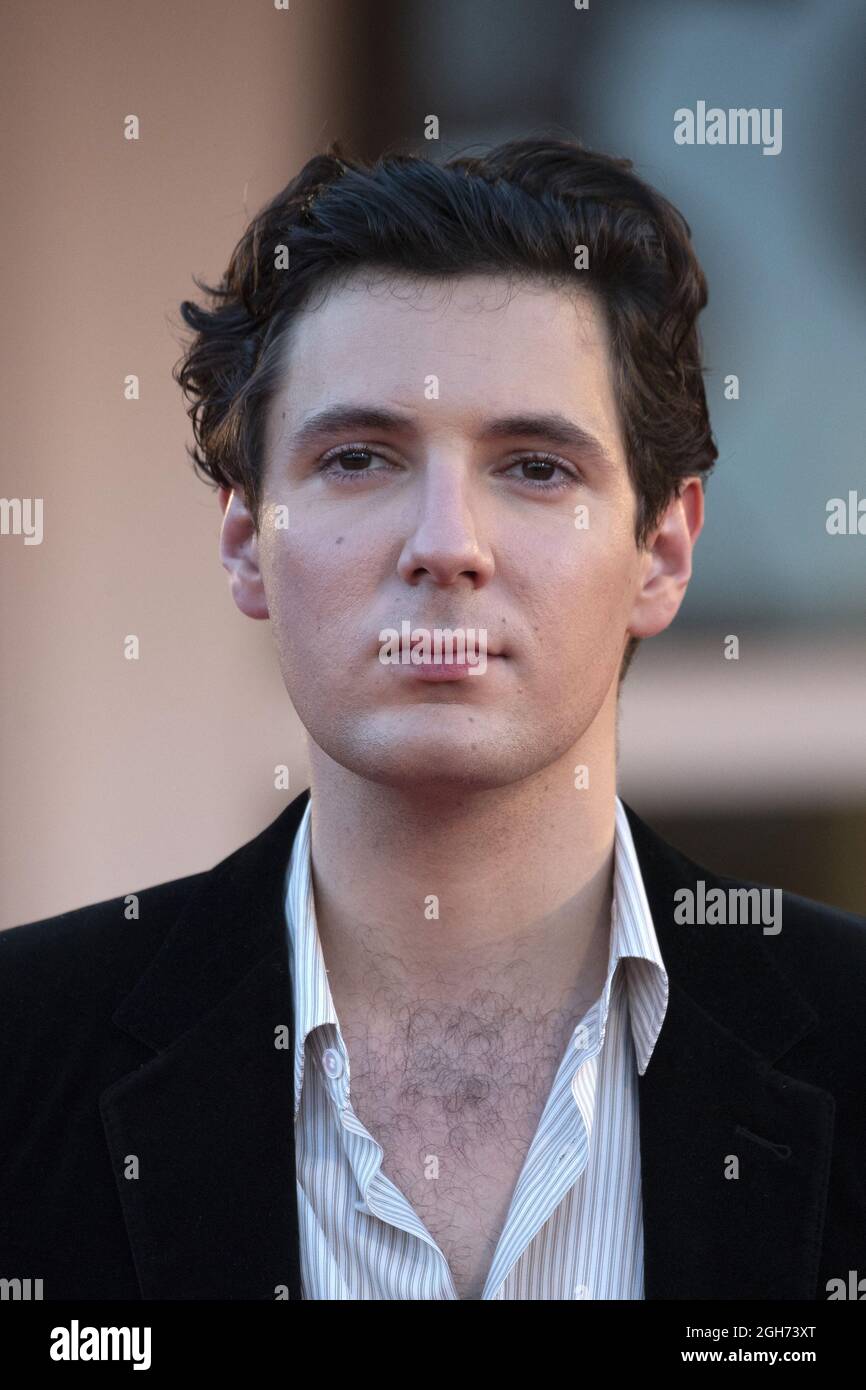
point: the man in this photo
(443, 1030)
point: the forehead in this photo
(485, 340)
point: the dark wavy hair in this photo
(521, 209)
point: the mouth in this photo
(457, 653)
(489, 652)
(436, 671)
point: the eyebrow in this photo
(552, 426)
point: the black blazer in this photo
(152, 1040)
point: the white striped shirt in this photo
(574, 1228)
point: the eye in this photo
(568, 477)
(330, 465)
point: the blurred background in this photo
(118, 774)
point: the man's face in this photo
(442, 524)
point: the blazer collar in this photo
(201, 1135)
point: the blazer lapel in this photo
(712, 1098)
(201, 1136)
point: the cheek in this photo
(292, 595)
(316, 600)
(606, 557)
(589, 578)
(579, 611)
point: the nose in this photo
(446, 541)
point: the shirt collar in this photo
(311, 993)
(633, 939)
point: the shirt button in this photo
(332, 1062)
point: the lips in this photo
(489, 652)
(486, 656)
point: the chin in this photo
(430, 749)
(438, 784)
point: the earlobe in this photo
(239, 554)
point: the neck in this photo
(425, 888)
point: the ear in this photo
(239, 553)
(667, 562)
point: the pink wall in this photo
(117, 773)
